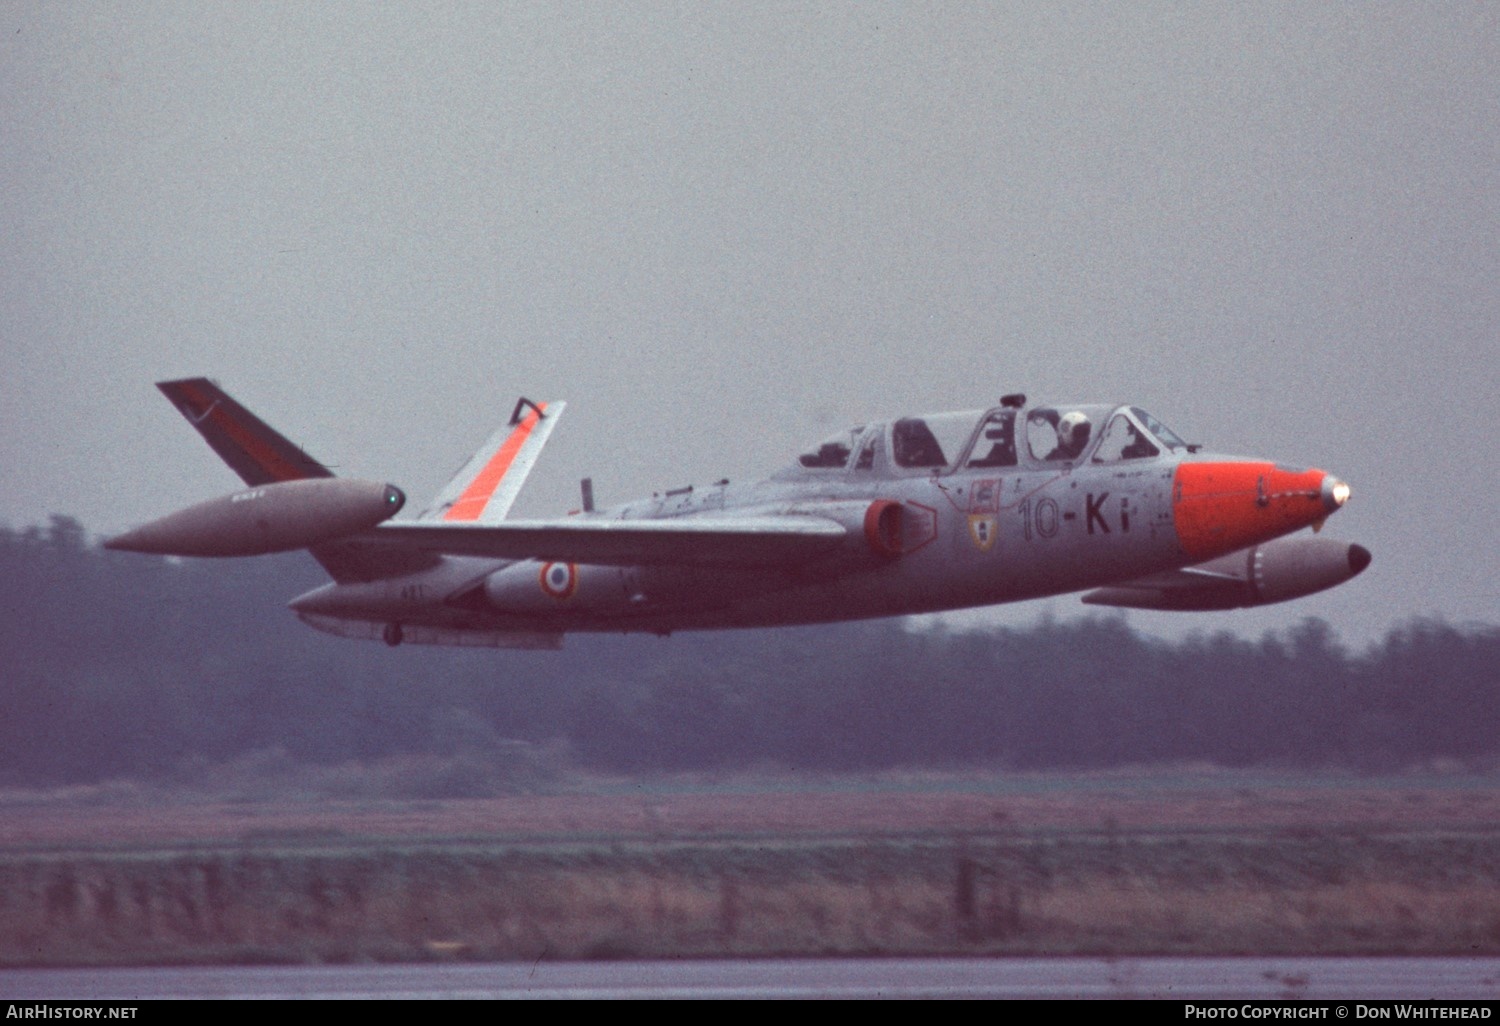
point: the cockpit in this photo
(1002, 437)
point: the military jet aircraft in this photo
(917, 515)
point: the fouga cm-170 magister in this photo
(917, 515)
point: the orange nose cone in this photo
(1223, 507)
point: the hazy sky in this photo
(721, 231)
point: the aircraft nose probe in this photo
(1334, 493)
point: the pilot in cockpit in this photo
(1138, 448)
(1073, 430)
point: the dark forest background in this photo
(118, 667)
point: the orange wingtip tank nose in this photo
(1223, 507)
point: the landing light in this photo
(1335, 493)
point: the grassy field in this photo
(1147, 863)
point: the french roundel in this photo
(559, 580)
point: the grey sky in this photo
(721, 231)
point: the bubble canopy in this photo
(937, 443)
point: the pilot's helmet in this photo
(1073, 431)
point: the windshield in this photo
(1163, 434)
(1124, 439)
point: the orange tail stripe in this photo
(469, 505)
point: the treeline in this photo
(116, 666)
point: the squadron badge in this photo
(983, 527)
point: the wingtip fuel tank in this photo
(278, 517)
(1276, 571)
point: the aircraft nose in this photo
(1227, 505)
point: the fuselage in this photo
(941, 512)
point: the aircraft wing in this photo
(723, 541)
